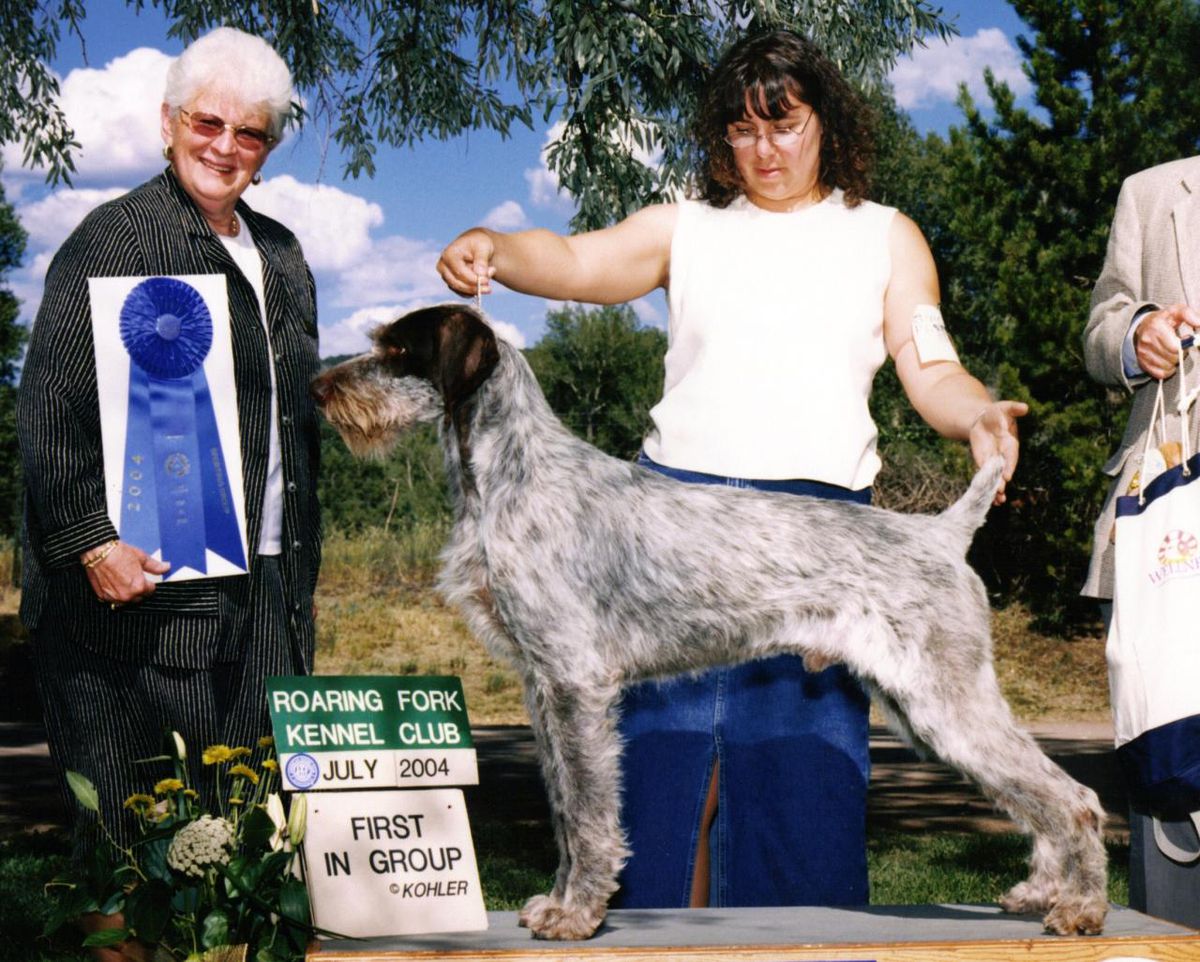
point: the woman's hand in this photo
(995, 432)
(1156, 340)
(466, 263)
(120, 576)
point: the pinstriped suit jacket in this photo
(1153, 259)
(155, 229)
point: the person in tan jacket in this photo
(1142, 305)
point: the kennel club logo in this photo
(1178, 556)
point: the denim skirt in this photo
(792, 753)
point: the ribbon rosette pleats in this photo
(175, 490)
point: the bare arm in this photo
(952, 401)
(609, 266)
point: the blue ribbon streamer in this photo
(176, 491)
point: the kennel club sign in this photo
(342, 732)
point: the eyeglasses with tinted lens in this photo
(210, 127)
(742, 137)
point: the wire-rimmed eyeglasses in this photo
(742, 137)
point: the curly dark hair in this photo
(774, 68)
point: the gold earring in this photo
(168, 152)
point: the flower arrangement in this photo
(194, 882)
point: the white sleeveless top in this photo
(776, 332)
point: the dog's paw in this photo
(1029, 897)
(1077, 917)
(547, 918)
(535, 908)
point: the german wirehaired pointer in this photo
(587, 573)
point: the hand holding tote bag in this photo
(1153, 647)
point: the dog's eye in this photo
(393, 352)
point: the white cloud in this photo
(351, 334)
(647, 313)
(544, 189)
(50, 220)
(507, 216)
(396, 270)
(333, 226)
(508, 332)
(114, 111)
(933, 73)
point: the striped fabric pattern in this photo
(192, 657)
(155, 229)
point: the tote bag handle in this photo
(1158, 417)
(1175, 852)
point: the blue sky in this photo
(373, 242)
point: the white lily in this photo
(279, 840)
(297, 818)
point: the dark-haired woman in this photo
(787, 291)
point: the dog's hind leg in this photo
(579, 753)
(963, 720)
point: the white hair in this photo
(237, 63)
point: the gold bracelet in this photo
(104, 553)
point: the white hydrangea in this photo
(199, 844)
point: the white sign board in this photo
(392, 863)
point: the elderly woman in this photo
(787, 290)
(121, 659)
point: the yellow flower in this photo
(168, 785)
(216, 753)
(238, 752)
(246, 772)
(139, 803)
(270, 765)
(266, 741)
(191, 793)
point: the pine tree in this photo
(1026, 208)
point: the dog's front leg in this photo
(579, 754)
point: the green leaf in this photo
(84, 791)
(69, 904)
(148, 910)
(215, 930)
(293, 900)
(257, 829)
(152, 857)
(106, 937)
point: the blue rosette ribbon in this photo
(175, 489)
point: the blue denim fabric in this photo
(793, 752)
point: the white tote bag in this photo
(1153, 645)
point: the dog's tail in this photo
(968, 512)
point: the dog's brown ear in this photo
(466, 355)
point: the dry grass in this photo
(1047, 676)
(378, 614)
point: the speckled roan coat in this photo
(587, 573)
